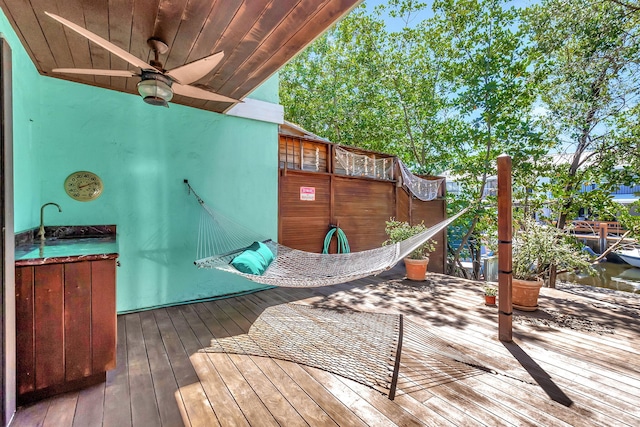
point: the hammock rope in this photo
(221, 239)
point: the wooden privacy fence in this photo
(315, 191)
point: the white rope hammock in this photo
(423, 189)
(220, 240)
(356, 164)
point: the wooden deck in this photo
(574, 362)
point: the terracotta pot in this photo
(416, 268)
(490, 300)
(525, 294)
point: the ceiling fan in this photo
(156, 85)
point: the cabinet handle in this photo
(118, 263)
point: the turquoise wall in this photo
(142, 153)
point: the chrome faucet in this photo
(41, 231)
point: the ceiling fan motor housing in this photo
(155, 88)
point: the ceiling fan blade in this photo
(112, 73)
(193, 71)
(133, 60)
(195, 92)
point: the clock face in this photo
(83, 186)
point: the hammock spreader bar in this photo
(296, 268)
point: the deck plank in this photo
(90, 407)
(251, 405)
(164, 385)
(164, 378)
(62, 410)
(31, 415)
(221, 400)
(234, 323)
(117, 406)
(144, 406)
(190, 396)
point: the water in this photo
(621, 277)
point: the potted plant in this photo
(490, 295)
(536, 247)
(417, 262)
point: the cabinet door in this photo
(77, 320)
(49, 324)
(103, 319)
(25, 355)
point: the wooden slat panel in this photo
(245, 19)
(25, 23)
(304, 224)
(361, 209)
(142, 25)
(120, 35)
(78, 45)
(25, 343)
(103, 319)
(96, 20)
(289, 153)
(170, 17)
(208, 39)
(246, 34)
(49, 325)
(306, 21)
(77, 320)
(52, 30)
(192, 22)
(402, 204)
(258, 37)
(305, 25)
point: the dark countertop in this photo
(67, 246)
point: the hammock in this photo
(220, 240)
(423, 189)
(355, 164)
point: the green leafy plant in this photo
(538, 246)
(490, 291)
(402, 230)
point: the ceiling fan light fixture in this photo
(155, 89)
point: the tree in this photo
(451, 92)
(586, 56)
(493, 96)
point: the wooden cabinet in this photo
(66, 326)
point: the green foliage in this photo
(399, 231)
(476, 79)
(538, 246)
(585, 55)
(491, 291)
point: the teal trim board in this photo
(142, 154)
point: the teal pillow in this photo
(263, 250)
(254, 260)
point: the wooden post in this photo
(505, 231)
(604, 231)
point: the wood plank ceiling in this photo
(257, 36)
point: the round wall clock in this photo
(83, 186)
